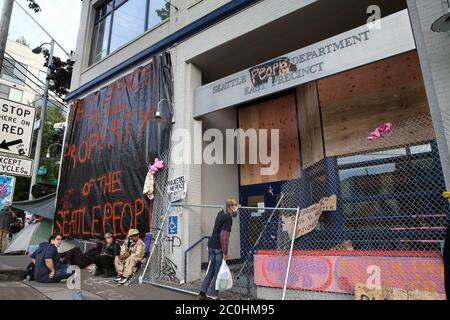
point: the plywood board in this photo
(347, 125)
(362, 292)
(356, 102)
(389, 73)
(310, 124)
(278, 113)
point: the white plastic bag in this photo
(224, 279)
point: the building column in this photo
(434, 53)
(187, 78)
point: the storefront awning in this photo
(44, 207)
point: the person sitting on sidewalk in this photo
(75, 257)
(131, 252)
(105, 260)
(48, 266)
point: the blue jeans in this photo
(62, 273)
(215, 258)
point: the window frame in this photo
(99, 20)
(16, 78)
(8, 97)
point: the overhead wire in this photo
(57, 104)
(25, 75)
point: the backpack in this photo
(28, 274)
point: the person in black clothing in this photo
(218, 246)
(105, 260)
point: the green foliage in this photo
(53, 115)
(23, 41)
(164, 13)
(61, 74)
(34, 6)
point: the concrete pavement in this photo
(92, 288)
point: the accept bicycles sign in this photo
(177, 189)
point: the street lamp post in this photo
(47, 156)
(37, 152)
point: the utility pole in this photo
(37, 152)
(4, 27)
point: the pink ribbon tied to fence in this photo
(159, 164)
(382, 130)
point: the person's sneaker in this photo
(123, 280)
(118, 278)
(215, 298)
(202, 296)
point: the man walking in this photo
(6, 219)
(218, 246)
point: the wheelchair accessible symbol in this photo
(173, 225)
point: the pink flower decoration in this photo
(382, 130)
(159, 164)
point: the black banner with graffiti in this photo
(113, 136)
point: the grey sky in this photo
(59, 17)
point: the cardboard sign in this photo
(362, 292)
(309, 217)
(177, 189)
(7, 185)
(16, 127)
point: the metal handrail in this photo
(186, 253)
(221, 207)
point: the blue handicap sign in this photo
(173, 225)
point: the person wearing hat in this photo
(105, 260)
(131, 252)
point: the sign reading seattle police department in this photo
(16, 127)
(346, 51)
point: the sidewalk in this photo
(93, 288)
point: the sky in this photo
(59, 17)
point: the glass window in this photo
(100, 40)
(117, 22)
(128, 23)
(15, 95)
(4, 91)
(158, 11)
(13, 71)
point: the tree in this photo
(23, 41)
(34, 6)
(61, 74)
(164, 13)
(52, 116)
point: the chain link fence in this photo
(388, 227)
(390, 220)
